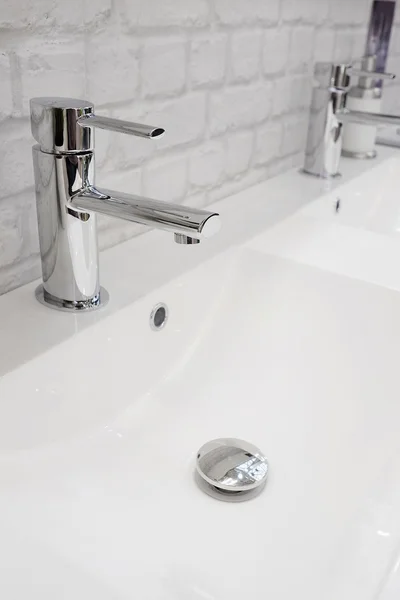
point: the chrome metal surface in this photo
(54, 124)
(66, 306)
(328, 114)
(369, 77)
(331, 82)
(232, 466)
(185, 240)
(193, 222)
(310, 174)
(67, 236)
(67, 200)
(159, 317)
(359, 155)
(376, 75)
(367, 118)
(224, 496)
(137, 129)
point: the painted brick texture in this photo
(228, 79)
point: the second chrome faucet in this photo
(328, 114)
(68, 200)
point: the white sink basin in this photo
(99, 437)
(283, 340)
(360, 240)
(371, 201)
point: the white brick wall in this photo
(275, 50)
(207, 60)
(163, 67)
(228, 79)
(245, 56)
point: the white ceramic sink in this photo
(99, 437)
(371, 201)
(99, 434)
(359, 240)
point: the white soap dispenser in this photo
(359, 140)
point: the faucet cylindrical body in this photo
(67, 235)
(324, 139)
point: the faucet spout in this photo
(367, 118)
(180, 220)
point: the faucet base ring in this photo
(359, 155)
(320, 175)
(90, 304)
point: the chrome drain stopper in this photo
(231, 470)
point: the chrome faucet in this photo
(67, 202)
(328, 113)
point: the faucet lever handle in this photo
(368, 69)
(372, 74)
(138, 129)
(64, 125)
(338, 75)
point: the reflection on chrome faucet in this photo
(328, 113)
(67, 201)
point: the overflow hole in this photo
(158, 317)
